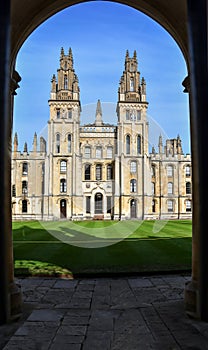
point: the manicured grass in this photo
(102, 247)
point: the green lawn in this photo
(101, 247)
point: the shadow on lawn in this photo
(128, 256)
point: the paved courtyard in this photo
(129, 313)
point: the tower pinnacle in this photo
(98, 115)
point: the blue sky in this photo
(99, 34)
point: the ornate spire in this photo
(98, 116)
(135, 55)
(15, 142)
(127, 54)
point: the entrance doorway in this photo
(63, 209)
(98, 203)
(133, 209)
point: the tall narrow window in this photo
(24, 206)
(24, 187)
(65, 82)
(170, 188)
(87, 152)
(153, 188)
(109, 172)
(133, 185)
(127, 114)
(58, 113)
(24, 169)
(98, 152)
(69, 143)
(88, 198)
(13, 190)
(170, 171)
(188, 205)
(153, 206)
(153, 171)
(131, 84)
(133, 167)
(63, 165)
(98, 172)
(109, 152)
(63, 185)
(98, 203)
(87, 172)
(70, 113)
(188, 188)
(170, 206)
(138, 144)
(57, 143)
(188, 170)
(127, 144)
(109, 204)
(138, 115)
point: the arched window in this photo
(170, 206)
(87, 152)
(170, 188)
(128, 144)
(24, 206)
(109, 172)
(24, 187)
(63, 166)
(133, 185)
(133, 167)
(63, 185)
(170, 171)
(188, 170)
(65, 82)
(131, 84)
(69, 142)
(57, 143)
(24, 169)
(139, 144)
(188, 206)
(98, 172)
(87, 175)
(188, 188)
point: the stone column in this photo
(198, 58)
(10, 296)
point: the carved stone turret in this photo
(131, 88)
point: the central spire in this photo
(98, 115)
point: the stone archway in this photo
(173, 16)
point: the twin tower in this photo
(98, 171)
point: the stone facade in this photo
(99, 170)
